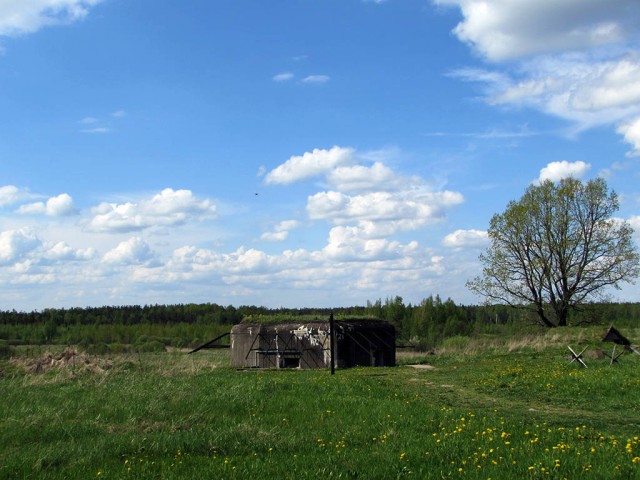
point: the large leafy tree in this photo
(557, 248)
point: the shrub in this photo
(97, 349)
(119, 348)
(150, 347)
(457, 342)
(6, 350)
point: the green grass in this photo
(493, 412)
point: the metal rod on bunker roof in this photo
(332, 343)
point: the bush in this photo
(6, 350)
(457, 342)
(421, 344)
(119, 348)
(97, 349)
(150, 347)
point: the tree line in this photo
(433, 319)
(423, 325)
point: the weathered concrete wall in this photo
(307, 345)
(366, 344)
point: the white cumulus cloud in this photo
(407, 210)
(61, 252)
(466, 238)
(505, 29)
(631, 132)
(10, 194)
(365, 193)
(15, 245)
(167, 208)
(576, 88)
(58, 206)
(309, 164)
(578, 59)
(134, 251)
(556, 171)
(634, 221)
(361, 177)
(27, 16)
(280, 231)
(350, 244)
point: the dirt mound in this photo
(69, 359)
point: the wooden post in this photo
(332, 343)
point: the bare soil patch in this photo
(423, 367)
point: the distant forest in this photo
(153, 327)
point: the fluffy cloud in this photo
(15, 245)
(280, 232)
(407, 210)
(501, 29)
(191, 262)
(634, 221)
(556, 171)
(167, 208)
(27, 16)
(589, 73)
(134, 251)
(10, 194)
(26, 254)
(466, 239)
(310, 164)
(361, 177)
(347, 258)
(62, 252)
(61, 205)
(573, 87)
(349, 244)
(370, 197)
(631, 132)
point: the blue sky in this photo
(297, 152)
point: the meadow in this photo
(480, 408)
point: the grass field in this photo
(483, 408)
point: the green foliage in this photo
(6, 350)
(557, 248)
(456, 342)
(150, 346)
(424, 325)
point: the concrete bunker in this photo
(306, 344)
